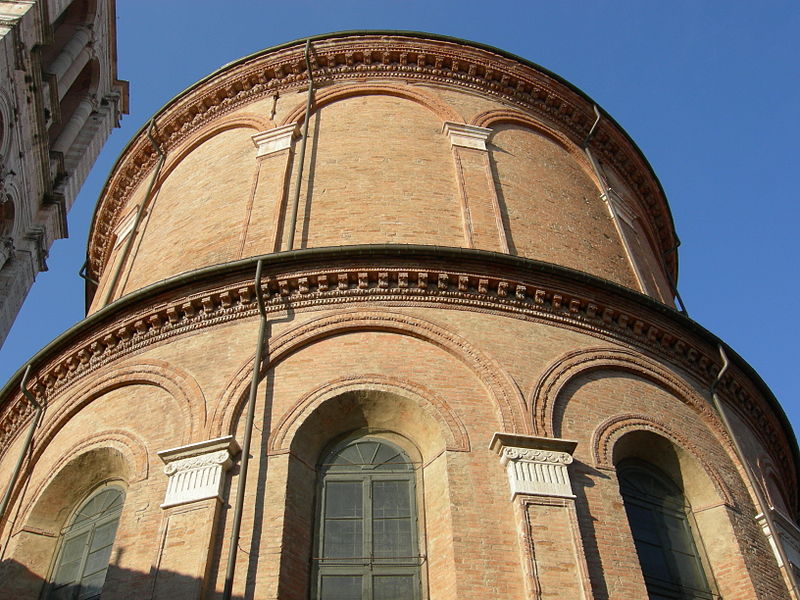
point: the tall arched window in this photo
(367, 546)
(658, 514)
(85, 547)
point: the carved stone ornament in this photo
(274, 140)
(535, 466)
(789, 535)
(468, 136)
(196, 471)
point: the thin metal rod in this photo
(37, 412)
(299, 177)
(139, 212)
(248, 433)
(763, 505)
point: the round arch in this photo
(504, 393)
(606, 439)
(179, 385)
(490, 118)
(441, 109)
(435, 408)
(546, 392)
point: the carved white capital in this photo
(468, 136)
(788, 533)
(535, 466)
(195, 471)
(274, 140)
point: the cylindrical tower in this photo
(470, 379)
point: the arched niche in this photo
(373, 413)
(34, 544)
(723, 541)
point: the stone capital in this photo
(274, 140)
(195, 471)
(467, 136)
(535, 466)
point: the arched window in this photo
(366, 546)
(85, 547)
(659, 519)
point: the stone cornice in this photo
(458, 279)
(412, 58)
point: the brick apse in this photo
(470, 381)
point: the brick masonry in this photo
(437, 294)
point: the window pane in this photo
(343, 499)
(390, 499)
(96, 523)
(70, 559)
(391, 538)
(393, 587)
(92, 586)
(97, 561)
(340, 587)
(343, 539)
(656, 510)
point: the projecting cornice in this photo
(411, 57)
(398, 276)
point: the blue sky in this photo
(710, 91)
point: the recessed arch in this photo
(252, 121)
(490, 118)
(128, 445)
(507, 400)
(441, 109)
(609, 433)
(177, 383)
(547, 390)
(450, 425)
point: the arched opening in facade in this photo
(660, 522)
(54, 524)
(374, 460)
(671, 504)
(85, 546)
(366, 542)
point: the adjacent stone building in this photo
(59, 99)
(470, 379)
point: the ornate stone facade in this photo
(59, 100)
(479, 276)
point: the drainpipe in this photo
(37, 413)
(763, 505)
(248, 431)
(139, 213)
(672, 284)
(601, 179)
(606, 197)
(298, 179)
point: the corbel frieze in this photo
(586, 311)
(414, 60)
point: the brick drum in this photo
(480, 272)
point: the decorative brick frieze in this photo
(535, 466)
(396, 286)
(196, 471)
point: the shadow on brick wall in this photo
(17, 582)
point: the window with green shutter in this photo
(367, 545)
(85, 547)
